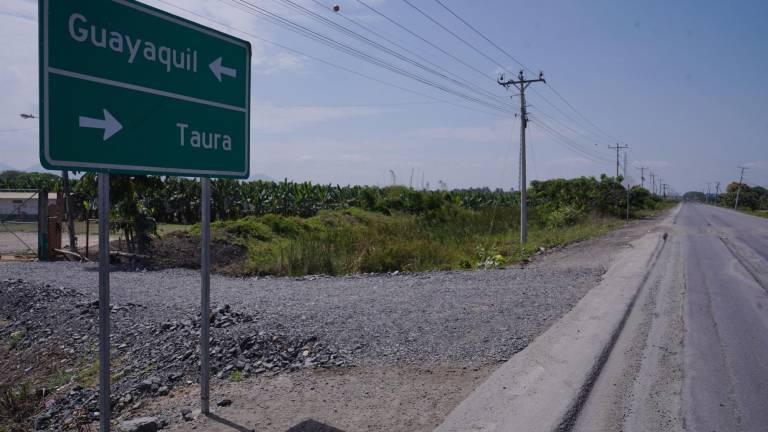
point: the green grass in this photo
(87, 375)
(60, 378)
(649, 213)
(758, 213)
(164, 228)
(18, 404)
(15, 338)
(357, 241)
(236, 376)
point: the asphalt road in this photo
(693, 354)
(726, 316)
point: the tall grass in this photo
(356, 241)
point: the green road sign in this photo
(128, 88)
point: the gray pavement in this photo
(694, 352)
(726, 315)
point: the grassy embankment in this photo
(661, 206)
(354, 240)
(758, 213)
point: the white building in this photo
(21, 205)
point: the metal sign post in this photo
(205, 292)
(128, 88)
(104, 398)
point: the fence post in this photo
(42, 225)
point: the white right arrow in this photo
(110, 124)
(218, 70)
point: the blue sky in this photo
(683, 83)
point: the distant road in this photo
(694, 351)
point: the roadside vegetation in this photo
(752, 199)
(303, 228)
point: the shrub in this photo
(563, 216)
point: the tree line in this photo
(140, 202)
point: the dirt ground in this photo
(422, 342)
(370, 398)
(357, 399)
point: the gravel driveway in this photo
(482, 316)
(444, 324)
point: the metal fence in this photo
(18, 225)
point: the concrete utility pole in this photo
(521, 84)
(618, 147)
(642, 176)
(706, 198)
(653, 183)
(717, 192)
(626, 164)
(738, 191)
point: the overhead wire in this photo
(344, 30)
(511, 57)
(571, 143)
(561, 123)
(331, 64)
(568, 142)
(369, 29)
(319, 37)
(416, 35)
(332, 43)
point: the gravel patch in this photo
(434, 317)
(423, 327)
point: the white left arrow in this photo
(110, 124)
(218, 69)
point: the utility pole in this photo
(642, 176)
(653, 183)
(521, 84)
(618, 147)
(738, 191)
(706, 199)
(717, 192)
(625, 179)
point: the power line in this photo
(554, 119)
(369, 28)
(454, 34)
(330, 42)
(414, 34)
(474, 48)
(511, 57)
(567, 142)
(329, 63)
(483, 36)
(344, 30)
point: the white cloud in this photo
(274, 119)
(568, 162)
(759, 164)
(652, 163)
(496, 132)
